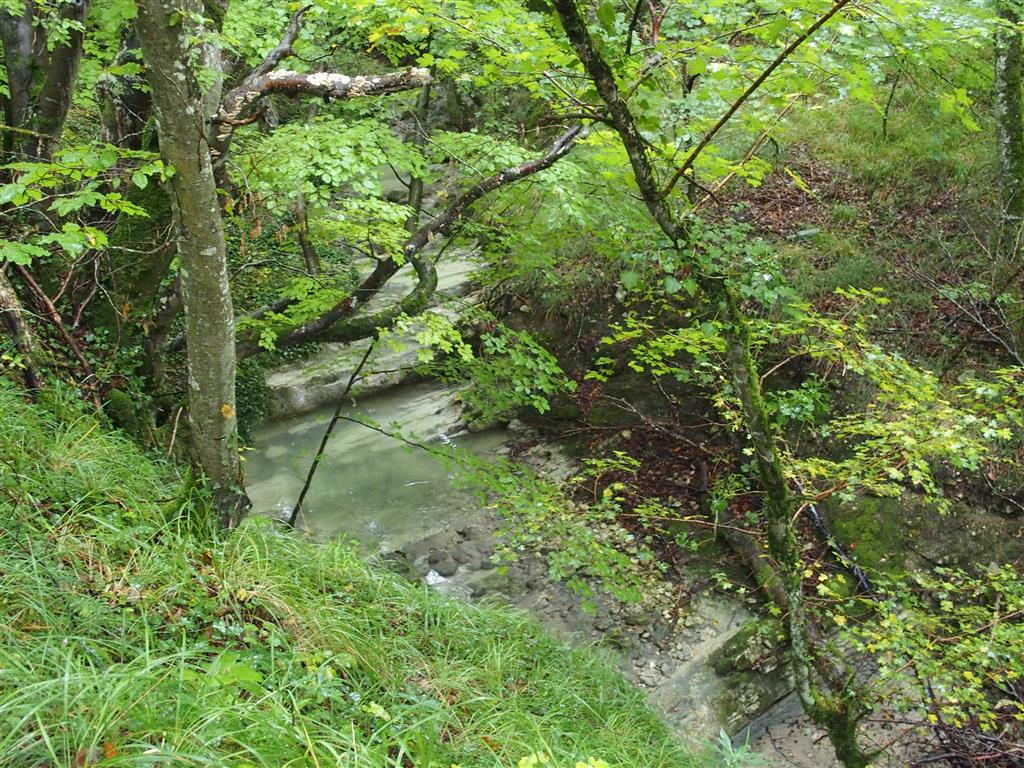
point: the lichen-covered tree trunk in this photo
(165, 28)
(1009, 125)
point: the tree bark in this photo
(13, 313)
(333, 86)
(164, 28)
(41, 82)
(309, 253)
(1009, 126)
(125, 102)
(22, 68)
(419, 139)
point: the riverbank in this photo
(407, 506)
(135, 634)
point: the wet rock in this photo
(446, 567)
(423, 547)
(438, 555)
(661, 632)
(639, 618)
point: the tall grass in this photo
(133, 635)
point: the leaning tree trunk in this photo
(834, 709)
(1009, 127)
(164, 28)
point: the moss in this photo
(252, 396)
(874, 530)
(125, 413)
(758, 640)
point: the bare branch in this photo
(754, 86)
(283, 49)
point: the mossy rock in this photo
(756, 646)
(750, 663)
(128, 415)
(874, 530)
(892, 535)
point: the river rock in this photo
(438, 555)
(468, 554)
(446, 567)
(660, 633)
(639, 618)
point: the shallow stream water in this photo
(369, 486)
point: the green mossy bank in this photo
(131, 633)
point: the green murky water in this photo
(368, 485)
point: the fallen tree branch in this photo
(327, 435)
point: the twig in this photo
(327, 433)
(751, 90)
(174, 431)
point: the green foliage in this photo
(513, 370)
(252, 396)
(960, 634)
(323, 158)
(79, 178)
(583, 544)
(913, 423)
(130, 637)
(509, 370)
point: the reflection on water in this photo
(368, 485)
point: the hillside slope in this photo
(133, 634)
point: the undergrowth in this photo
(133, 633)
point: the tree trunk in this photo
(41, 82)
(13, 313)
(419, 139)
(17, 33)
(1009, 127)
(165, 28)
(58, 88)
(309, 253)
(125, 103)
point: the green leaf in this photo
(606, 16)
(20, 253)
(630, 279)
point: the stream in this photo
(400, 502)
(697, 666)
(369, 486)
